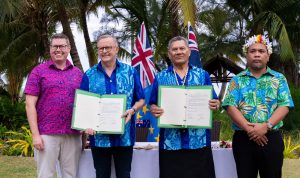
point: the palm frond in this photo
(123, 53)
(188, 9)
(277, 29)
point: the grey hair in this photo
(178, 38)
(60, 36)
(108, 36)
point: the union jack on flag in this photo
(193, 45)
(142, 61)
(142, 58)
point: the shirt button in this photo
(110, 81)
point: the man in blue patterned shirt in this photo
(183, 153)
(257, 100)
(110, 76)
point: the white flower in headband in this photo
(258, 39)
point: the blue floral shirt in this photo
(123, 80)
(258, 98)
(174, 138)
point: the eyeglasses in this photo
(105, 48)
(62, 47)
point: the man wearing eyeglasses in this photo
(110, 76)
(50, 92)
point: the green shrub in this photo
(3, 129)
(17, 143)
(290, 147)
(292, 121)
(226, 129)
(12, 115)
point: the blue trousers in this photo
(122, 158)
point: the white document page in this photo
(198, 112)
(110, 115)
(173, 104)
(101, 114)
(86, 113)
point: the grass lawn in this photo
(16, 167)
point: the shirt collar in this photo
(50, 63)
(171, 67)
(268, 72)
(100, 67)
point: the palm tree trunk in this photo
(14, 85)
(222, 91)
(63, 17)
(223, 85)
(44, 36)
(89, 47)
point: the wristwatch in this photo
(134, 110)
(269, 125)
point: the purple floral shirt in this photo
(55, 89)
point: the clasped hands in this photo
(213, 104)
(257, 133)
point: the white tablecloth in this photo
(145, 163)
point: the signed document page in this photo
(102, 113)
(185, 107)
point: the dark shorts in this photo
(196, 163)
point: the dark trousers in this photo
(251, 158)
(122, 159)
(196, 163)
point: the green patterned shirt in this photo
(258, 98)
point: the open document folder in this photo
(102, 113)
(185, 107)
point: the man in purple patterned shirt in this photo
(50, 92)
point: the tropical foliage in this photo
(12, 115)
(292, 121)
(290, 148)
(18, 143)
(221, 28)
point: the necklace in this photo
(184, 78)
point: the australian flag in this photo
(142, 61)
(193, 45)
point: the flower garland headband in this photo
(263, 39)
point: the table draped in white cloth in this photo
(145, 162)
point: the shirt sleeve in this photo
(232, 96)
(84, 85)
(208, 82)
(154, 93)
(284, 95)
(138, 91)
(33, 84)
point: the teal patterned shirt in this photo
(175, 138)
(123, 80)
(258, 98)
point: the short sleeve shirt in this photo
(190, 138)
(55, 90)
(258, 98)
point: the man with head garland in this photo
(257, 100)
